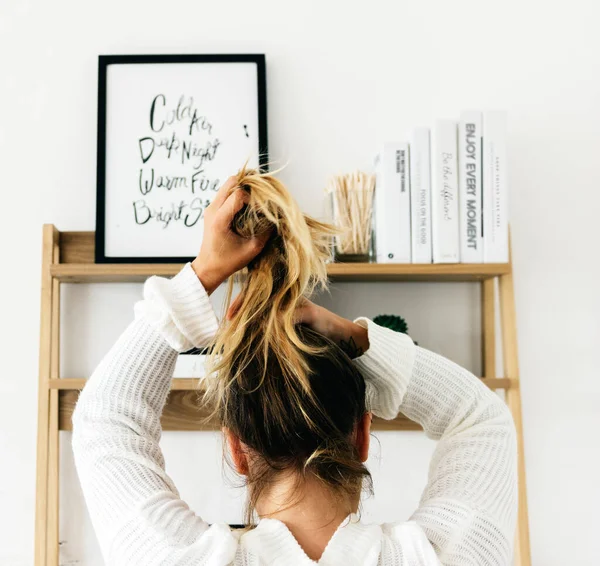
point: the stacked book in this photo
(190, 364)
(441, 196)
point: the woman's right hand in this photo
(223, 252)
(349, 336)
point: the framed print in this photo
(171, 130)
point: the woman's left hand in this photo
(223, 252)
(349, 336)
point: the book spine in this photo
(392, 204)
(420, 196)
(470, 187)
(495, 197)
(444, 198)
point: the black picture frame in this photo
(104, 61)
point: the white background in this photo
(342, 78)
(223, 97)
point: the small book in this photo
(392, 204)
(420, 195)
(470, 187)
(495, 193)
(190, 364)
(444, 194)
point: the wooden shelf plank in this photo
(77, 266)
(182, 409)
(191, 383)
(77, 383)
(110, 273)
(415, 271)
(182, 412)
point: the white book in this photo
(495, 193)
(420, 195)
(392, 204)
(444, 193)
(189, 365)
(470, 187)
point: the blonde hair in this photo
(291, 395)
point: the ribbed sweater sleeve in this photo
(469, 505)
(134, 506)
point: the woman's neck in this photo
(312, 513)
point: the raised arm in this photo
(116, 427)
(134, 506)
(469, 505)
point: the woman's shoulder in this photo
(408, 539)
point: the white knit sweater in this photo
(467, 511)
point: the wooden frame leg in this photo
(488, 328)
(52, 536)
(49, 247)
(46, 515)
(41, 488)
(52, 524)
(513, 399)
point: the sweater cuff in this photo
(179, 309)
(387, 367)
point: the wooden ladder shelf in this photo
(68, 257)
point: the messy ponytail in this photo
(288, 393)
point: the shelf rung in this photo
(75, 384)
(110, 273)
(191, 383)
(415, 271)
(182, 411)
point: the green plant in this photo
(393, 322)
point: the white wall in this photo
(342, 77)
